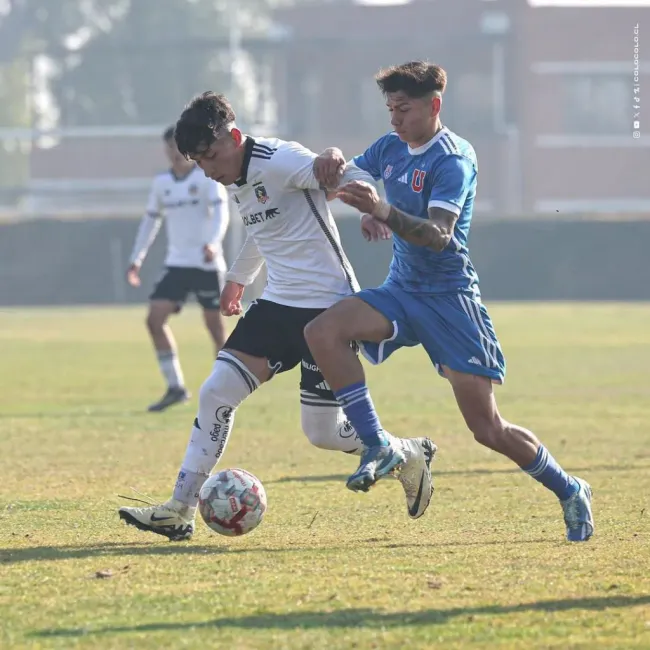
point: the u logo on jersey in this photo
(417, 182)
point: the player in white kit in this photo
(195, 209)
(291, 229)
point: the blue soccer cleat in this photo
(376, 462)
(577, 513)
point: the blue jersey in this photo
(441, 173)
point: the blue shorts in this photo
(454, 329)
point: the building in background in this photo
(546, 94)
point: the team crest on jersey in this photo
(193, 189)
(388, 171)
(417, 182)
(260, 194)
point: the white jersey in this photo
(195, 209)
(290, 227)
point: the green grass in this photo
(486, 567)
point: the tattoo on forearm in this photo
(421, 232)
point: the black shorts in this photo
(275, 332)
(178, 282)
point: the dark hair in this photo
(415, 78)
(168, 134)
(201, 121)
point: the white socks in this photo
(170, 367)
(326, 427)
(222, 392)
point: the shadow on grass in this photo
(65, 415)
(117, 550)
(365, 618)
(325, 478)
(123, 550)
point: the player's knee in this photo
(224, 388)
(488, 431)
(313, 333)
(154, 323)
(209, 390)
(218, 386)
(321, 331)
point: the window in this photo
(472, 105)
(596, 104)
(374, 116)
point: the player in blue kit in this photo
(431, 296)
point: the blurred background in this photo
(545, 92)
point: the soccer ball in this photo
(232, 502)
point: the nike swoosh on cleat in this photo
(385, 462)
(154, 518)
(413, 510)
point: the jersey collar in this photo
(427, 145)
(248, 152)
(179, 179)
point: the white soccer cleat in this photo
(415, 474)
(171, 519)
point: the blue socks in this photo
(546, 470)
(360, 411)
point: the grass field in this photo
(486, 567)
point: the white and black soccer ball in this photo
(232, 502)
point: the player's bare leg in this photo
(478, 406)
(166, 352)
(215, 324)
(329, 336)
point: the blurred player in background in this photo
(195, 209)
(431, 296)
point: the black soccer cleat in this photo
(173, 396)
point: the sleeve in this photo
(248, 264)
(452, 181)
(149, 226)
(370, 160)
(219, 213)
(354, 173)
(293, 166)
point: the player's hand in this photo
(230, 300)
(209, 252)
(329, 166)
(373, 229)
(360, 195)
(133, 275)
